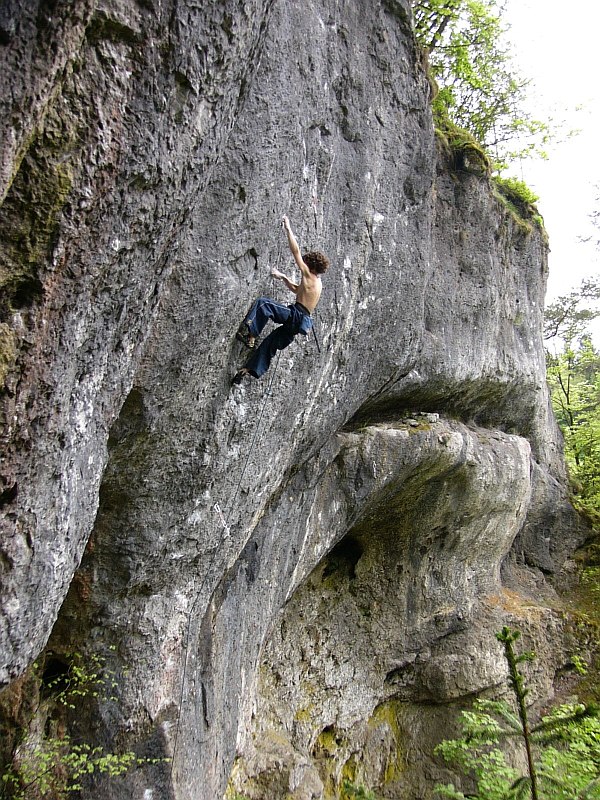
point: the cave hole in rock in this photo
(328, 738)
(27, 291)
(131, 420)
(55, 676)
(343, 558)
(8, 495)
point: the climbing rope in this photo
(224, 518)
(267, 394)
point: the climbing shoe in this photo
(239, 376)
(243, 335)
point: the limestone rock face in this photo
(114, 138)
(304, 571)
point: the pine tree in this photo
(562, 750)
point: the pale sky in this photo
(557, 45)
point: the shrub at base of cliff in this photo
(352, 792)
(567, 771)
(41, 760)
(562, 750)
(55, 767)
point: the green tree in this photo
(479, 88)
(562, 750)
(517, 682)
(569, 316)
(46, 763)
(573, 370)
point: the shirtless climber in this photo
(292, 319)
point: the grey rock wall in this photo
(122, 133)
(372, 491)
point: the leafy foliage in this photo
(573, 372)
(564, 747)
(479, 87)
(516, 191)
(54, 767)
(517, 682)
(352, 792)
(566, 770)
(520, 200)
(569, 316)
(47, 764)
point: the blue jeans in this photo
(292, 319)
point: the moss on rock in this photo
(8, 351)
(462, 151)
(385, 717)
(520, 201)
(29, 223)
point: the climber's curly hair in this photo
(316, 262)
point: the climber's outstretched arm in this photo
(294, 247)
